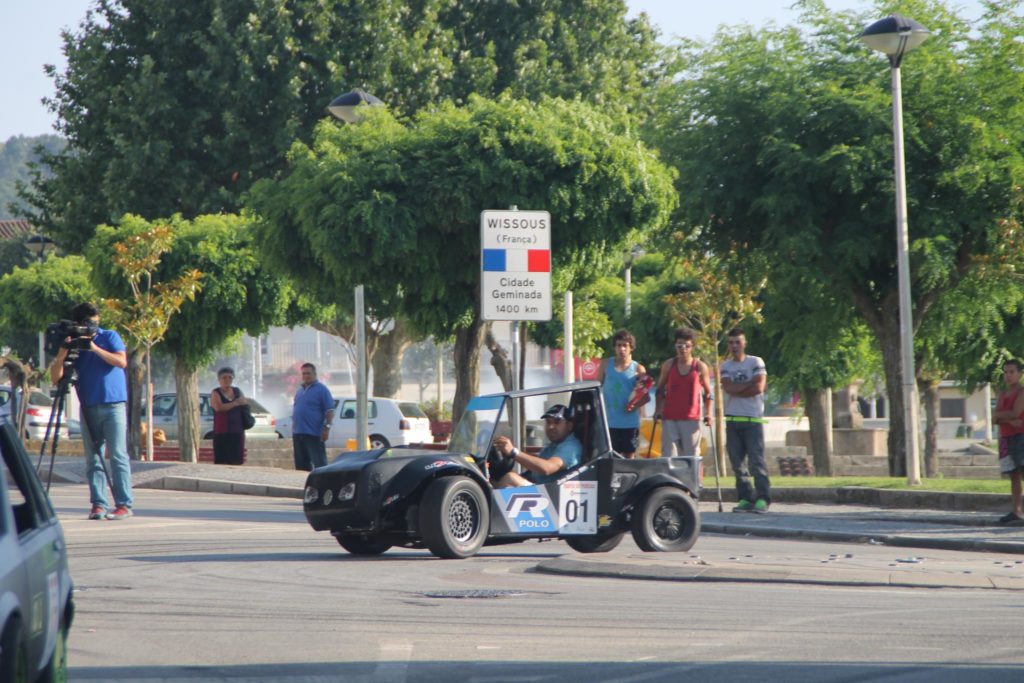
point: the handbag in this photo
(248, 421)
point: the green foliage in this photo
(32, 297)
(407, 200)
(238, 294)
(173, 107)
(16, 156)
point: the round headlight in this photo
(328, 497)
(311, 495)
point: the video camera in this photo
(81, 336)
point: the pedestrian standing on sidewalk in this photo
(312, 415)
(228, 429)
(744, 378)
(618, 377)
(103, 391)
(1009, 415)
(682, 383)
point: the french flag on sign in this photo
(517, 260)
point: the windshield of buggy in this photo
(474, 431)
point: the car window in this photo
(38, 398)
(256, 407)
(348, 409)
(205, 407)
(5, 397)
(411, 410)
(163, 405)
(29, 504)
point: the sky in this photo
(30, 37)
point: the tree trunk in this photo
(718, 424)
(930, 395)
(818, 406)
(188, 411)
(136, 376)
(387, 361)
(467, 365)
(499, 358)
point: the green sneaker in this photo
(760, 507)
(744, 506)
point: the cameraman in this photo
(103, 390)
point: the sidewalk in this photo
(957, 522)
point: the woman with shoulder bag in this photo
(228, 428)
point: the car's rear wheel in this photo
(454, 517)
(56, 670)
(13, 657)
(666, 520)
(600, 543)
(378, 441)
(363, 545)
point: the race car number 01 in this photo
(577, 507)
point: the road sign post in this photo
(515, 262)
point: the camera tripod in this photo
(68, 379)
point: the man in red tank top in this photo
(683, 382)
(1009, 415)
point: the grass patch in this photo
(950, 485)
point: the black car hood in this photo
(346, 462)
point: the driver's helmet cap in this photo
(558, 412)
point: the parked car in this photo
(36, 606)
(445, 501)
(390, 423)
(165, 417)
(38, 415)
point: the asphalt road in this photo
(211, 587)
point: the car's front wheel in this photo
(600, 543)
(378, 441)
(454, 517)
(363, 545)
(666, 520)
(56, 670)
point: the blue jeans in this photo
(745, 443)
(107, 424)
(309, 451)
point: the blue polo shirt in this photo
(98, 381)
(570, 450)
(310, 408)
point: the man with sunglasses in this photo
(682, 385)
(563, 452)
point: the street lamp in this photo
(345, 108)
(895, 36)
(634, 253)
(41, 246)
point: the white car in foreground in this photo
(390, 422)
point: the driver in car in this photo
(563, 452)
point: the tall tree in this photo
(783, 138)
(407, 200)
(238, 295)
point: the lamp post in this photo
(41, 246)
(346, 108)
(895, 36)
(633, 254)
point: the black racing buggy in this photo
(444, 500)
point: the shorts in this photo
(1011, 453)
(624, 440)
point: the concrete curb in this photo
(886, 498)
(897, 540)
(710, 574)
(173, 483)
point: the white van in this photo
(390, 422)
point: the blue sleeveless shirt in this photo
(616, 390)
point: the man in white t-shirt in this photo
(743, 382)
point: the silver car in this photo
(36, 417)
(165, 417)
(36, 607)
